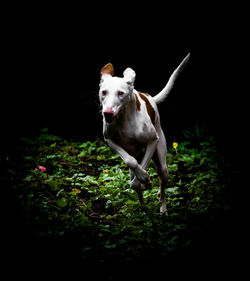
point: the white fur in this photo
(131, 133)
(166, 90)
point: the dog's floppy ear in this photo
(129, 76)
(107, 69)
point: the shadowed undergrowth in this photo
(75, 205)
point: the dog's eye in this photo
(120, 94)
(104, 93)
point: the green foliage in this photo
(85, 190)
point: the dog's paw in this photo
(142, 175)
(163, 211)
(162, 199)
(135, 184)
(146, 186)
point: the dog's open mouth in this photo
(109, 117)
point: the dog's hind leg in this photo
(160, 161)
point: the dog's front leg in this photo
(136, 185)
(150, 149)
(132, 163)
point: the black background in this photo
(54, 56)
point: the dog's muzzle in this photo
(109, 115)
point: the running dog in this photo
(131, 127)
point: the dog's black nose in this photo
(108, 116)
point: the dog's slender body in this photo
(131, 127)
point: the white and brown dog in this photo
(131, 127)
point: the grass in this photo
(81, 210)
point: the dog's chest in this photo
(133, 142)
(132, 133)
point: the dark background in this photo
(54, 56)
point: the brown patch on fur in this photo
(107, 69)
(150, 110)
(138, 104)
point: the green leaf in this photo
(90, 180)
(62, 202)
(196, 199)
(53, 145)
(54, 185)
(173, 190)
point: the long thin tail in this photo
(166, 90)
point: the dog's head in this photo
(115, 92)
